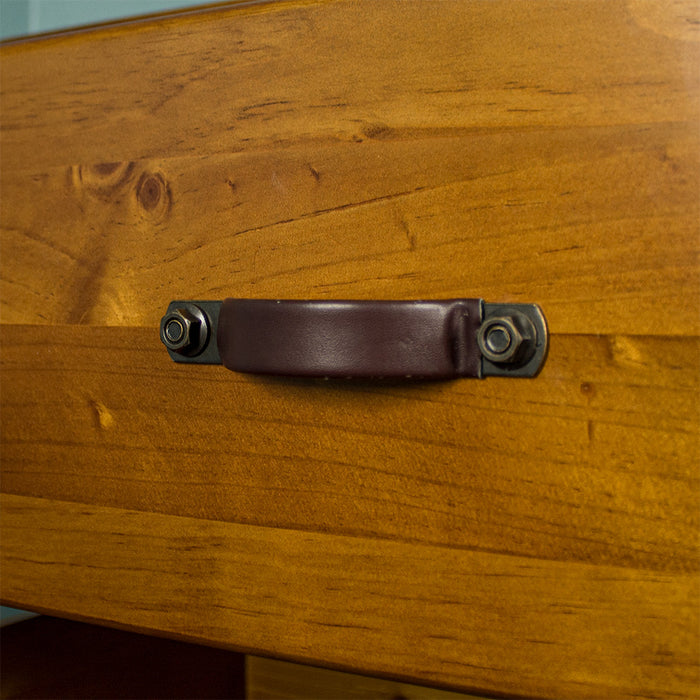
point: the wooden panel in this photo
(247, 78)
(287, 152)
(594, 462)
(434, 612)
(535, 538)
(271, 679)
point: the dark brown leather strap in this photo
(428, 339)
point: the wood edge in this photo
(265, 654)
(425, 680)
(254, 651)
(146, 21)
(349, 536)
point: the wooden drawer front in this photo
(523, 537)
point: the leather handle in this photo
(440, 339)
(431, 339)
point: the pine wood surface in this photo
(528, 538)
(598, 466)
(447, 615)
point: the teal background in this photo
(21, 17)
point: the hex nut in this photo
(184, 330)
(500, 339)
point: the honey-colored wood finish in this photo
(532, 627)
(530, 538)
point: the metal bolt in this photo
(500, 340)
(184, 330)
(174, 330)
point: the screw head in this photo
(184, 330)
(500, 340)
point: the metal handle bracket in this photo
(440, 339)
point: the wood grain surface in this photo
(533, 538)
(583, 469)
(443, 614)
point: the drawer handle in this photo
(441, 339)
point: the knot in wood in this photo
(150, 191)
(153, 195)
(101, 180)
